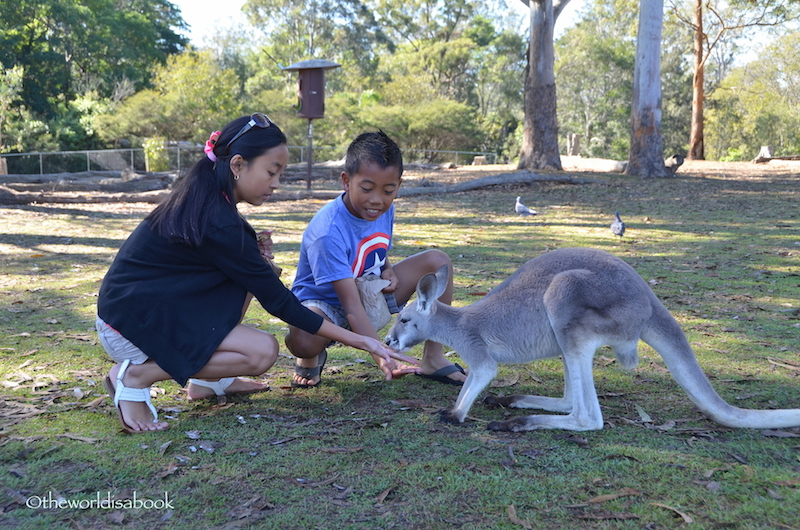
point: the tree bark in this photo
(540, 125)
(696, 140)
(646, 154)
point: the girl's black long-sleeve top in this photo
(177, 302)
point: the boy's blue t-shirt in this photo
(338, 245)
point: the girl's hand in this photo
(265, 244)
(387, 357)
(395, 370)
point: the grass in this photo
(721, 251)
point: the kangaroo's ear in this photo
(426, 292)
(441, 280)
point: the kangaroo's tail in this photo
(665, 335)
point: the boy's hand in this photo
(394, 282)
(265, 243)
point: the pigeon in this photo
(617, 227)
(522, 209)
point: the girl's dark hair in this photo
(376, 148)
(208, 187)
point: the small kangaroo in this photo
(567, 302)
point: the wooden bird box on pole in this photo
(311, 97)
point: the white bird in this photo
(617, 227)
(522, 209)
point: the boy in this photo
(350, 237)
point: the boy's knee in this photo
(436, 258)
(302, 344)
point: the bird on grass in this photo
(522, 209)
(617, 227)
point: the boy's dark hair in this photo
(208, 187)
(376, 148)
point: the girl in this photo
(171, 304)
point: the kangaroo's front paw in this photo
(498, 401)
(447, 416)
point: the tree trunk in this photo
(646, 154)
(696, 140)
(540, 125)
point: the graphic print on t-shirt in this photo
(371, 255)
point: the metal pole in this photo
(310, 157)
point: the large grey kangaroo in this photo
(568, 302)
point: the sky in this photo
(197, 13)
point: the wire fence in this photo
(182, 157)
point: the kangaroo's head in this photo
(415, 323)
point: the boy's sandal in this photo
(308, 373)
(441, 374)
(219, 388)
(122, 393)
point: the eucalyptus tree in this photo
(540, 126)
(646, 155)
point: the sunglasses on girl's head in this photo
(259, 119)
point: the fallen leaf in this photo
(163, 448)
(645, 417)
(312, 484)
(410, 403)
(169, 470)
(382, 497)
(791, 482)
(779, 434)
(94, 403)
(512, 516)
(775, 495)
(686, 517)
(511, 380)
(624, 492)
(193, 435)
(78, 438)
(609, 515)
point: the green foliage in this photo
(758, 104)
(594, 77)
(68, 47)
(192, 96)
(155, 154)
(735, 154)
(10, 89)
